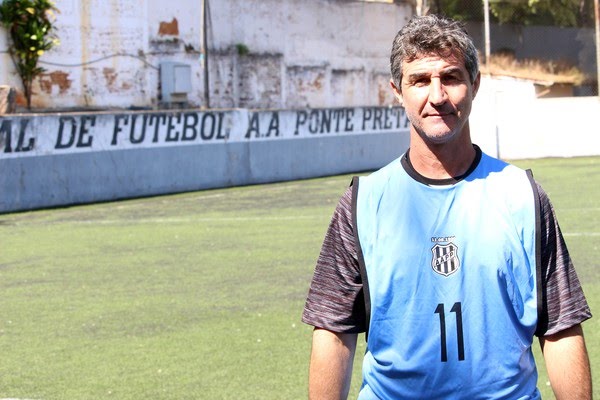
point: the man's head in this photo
(435, 76)
(432, 35)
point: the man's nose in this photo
(437, 92)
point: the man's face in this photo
(437, 94)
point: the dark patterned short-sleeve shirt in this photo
(336, 301)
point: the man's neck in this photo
(441, 161)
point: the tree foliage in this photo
(564, 13)
(30, 27)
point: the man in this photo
(450, 260)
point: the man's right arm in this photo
(331, 362)
(335, 304)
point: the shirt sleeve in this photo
(564, 301)
(335, 299)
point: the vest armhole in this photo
(360, 256)
(542, 306)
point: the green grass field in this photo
(199, 295)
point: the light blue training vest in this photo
(450, 281)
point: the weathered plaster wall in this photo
(94, 65)
(331, 53)
(317, 53)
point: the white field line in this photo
(246, 219)
(578, 209)
(581, 234)
(184, 220)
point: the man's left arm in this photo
(568, 365)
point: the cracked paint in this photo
(55, 78)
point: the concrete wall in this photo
(61, 159)
(261, 53)
(510, 122)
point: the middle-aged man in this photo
(450, 260)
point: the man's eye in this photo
(421, 82)
(451, 79)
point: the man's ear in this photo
(397, 91)
(476, 84)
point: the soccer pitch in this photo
(199, 295)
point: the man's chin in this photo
(438, 137)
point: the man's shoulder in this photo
(384, 173)
(494, 167)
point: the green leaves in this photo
(30, 27)
(564, 13)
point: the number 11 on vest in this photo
(456, 309)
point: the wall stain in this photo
(318, 82)
(111, 76)
(169, 28)
(20, 99)
(382, 95)
(58, 78)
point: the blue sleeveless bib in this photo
(450, 283)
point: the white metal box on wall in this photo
(175, 81)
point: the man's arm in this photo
(568, 364)
(331, 362)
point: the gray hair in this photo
(432, 35)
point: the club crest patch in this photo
(445, 259)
